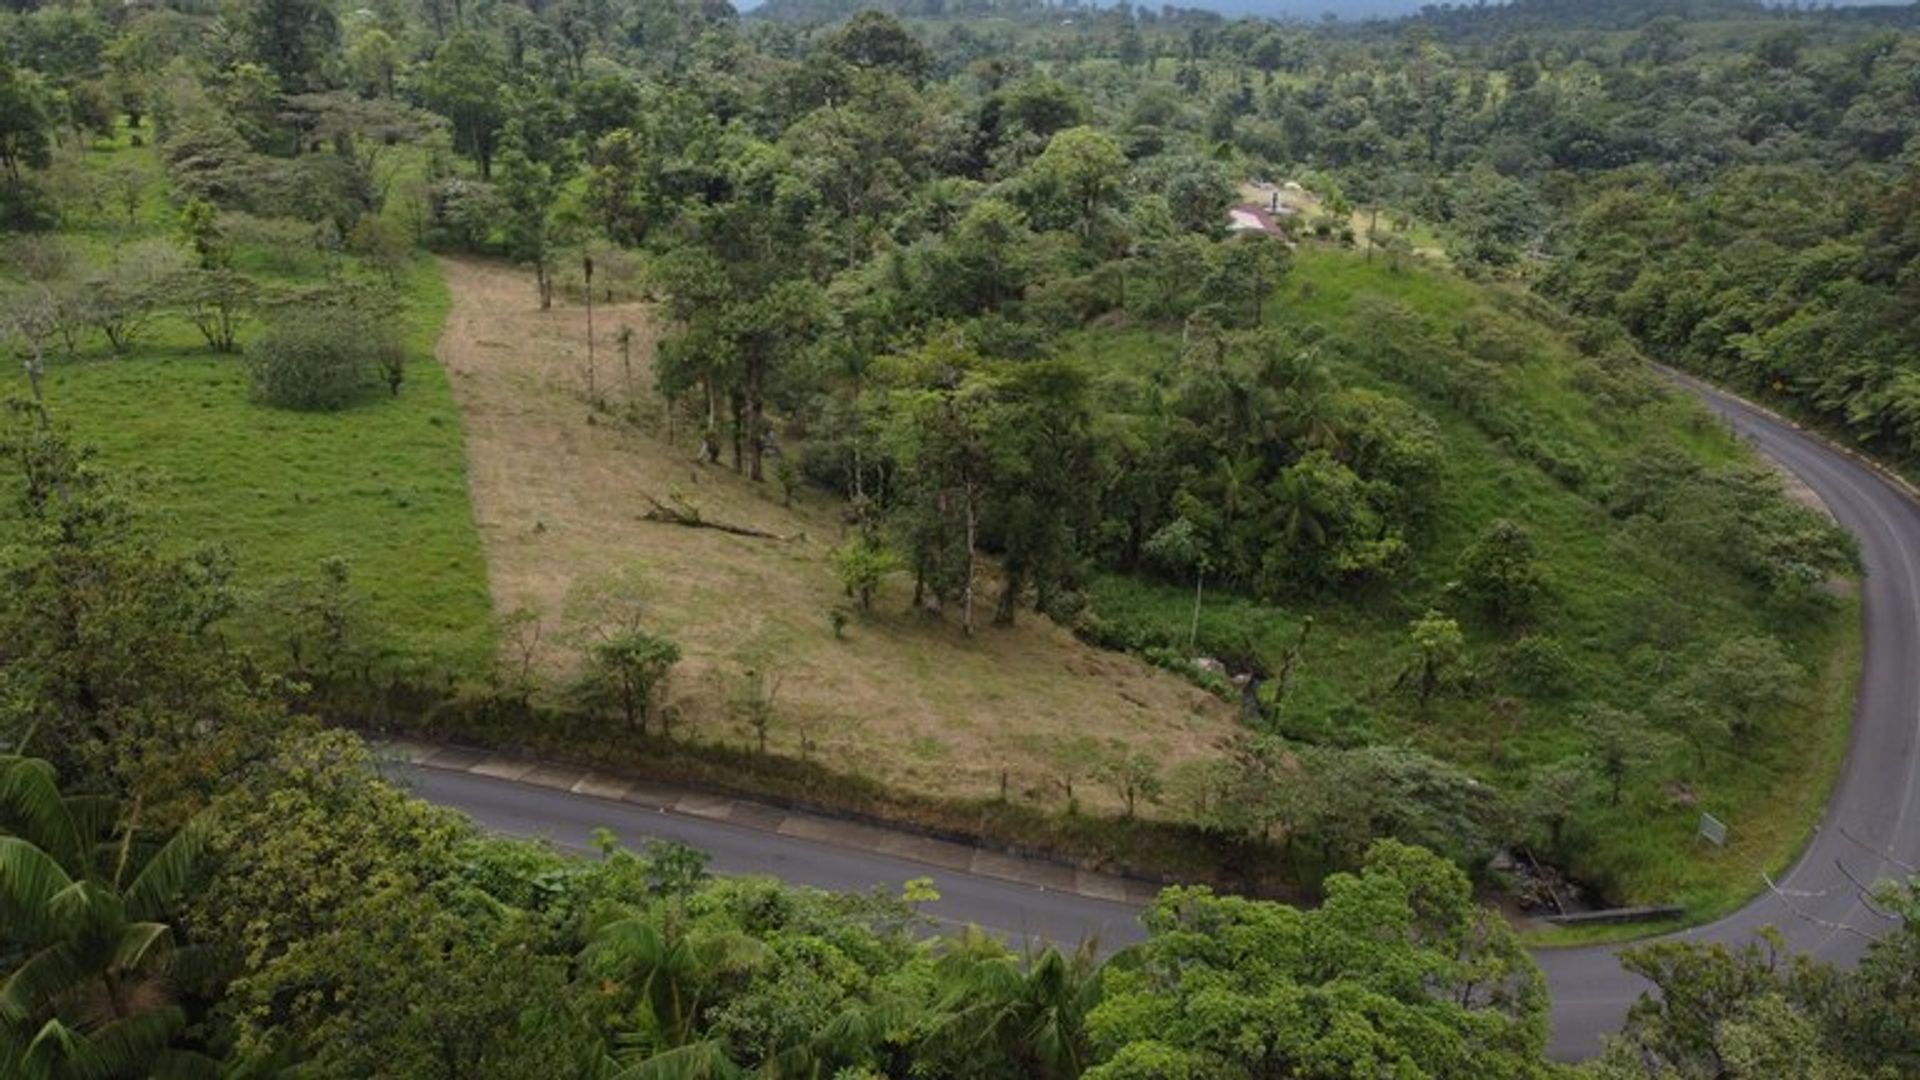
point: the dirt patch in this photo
(559, 493)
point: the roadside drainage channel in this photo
(942, 854)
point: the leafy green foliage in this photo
(317, 359)
(626, 672)
(1398, 970)
(85, 954)
(112, 661)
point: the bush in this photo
(318, 360)
(27, 207)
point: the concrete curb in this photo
(931, 851)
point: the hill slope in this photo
(560, 497)
(1665, 554)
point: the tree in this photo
(627, 671)
(297, 40)
(25, 129)
(216, 302)
(940, 425)
(1245, 270)
(463, 83)
(1621, 744)
(1723, 1012)
(874, 40)
(1134, 775)
(112, 661)
(1733, 690)
(616, 192)
(200, 228)
(121, 299)
(529, 189)
(1082, 167)
(862, 565)
(1179, 547)
(85, 951)
(1031, 1017)
(1438, 648)
(668, 968)
(375, 59)
(765, 333)
(1499, 573)
(1426, 984)
(319, 357)
(1553, 796)
(406, 984)
(988, 245)
(1198, 191)
(1873, 1014)
(338, 923)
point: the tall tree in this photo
(297, 40)
(464, 82)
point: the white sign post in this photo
(1713, 830)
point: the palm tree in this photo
(1296, 498)
(83, 951)
(671, 968)
(1034, 1013)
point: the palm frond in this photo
(58, 1050)
(162, 879)
(141, 944)
(124, 1045)
(84, 903)
(31, 808)
(186, 1065)
(93, 817)
(705, 1060)
(44, 976)
(30, 879)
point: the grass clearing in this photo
(382, 484)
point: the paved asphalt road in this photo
(1873, 808)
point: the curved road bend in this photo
(1873, 808)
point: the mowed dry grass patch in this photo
(559, 496)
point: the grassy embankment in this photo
(1625, 604)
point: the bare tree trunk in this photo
(737, 407)
(626, 367)
(593, 388)
(35, 368)
(709, 437)
(973, 530)
(1193, 632)
(756, 422)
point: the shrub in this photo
(318, 360)
(625, 674)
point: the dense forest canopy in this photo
(1307, 364)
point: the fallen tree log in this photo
(690, 517)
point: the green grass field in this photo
(382, 484)
(1615, 592)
